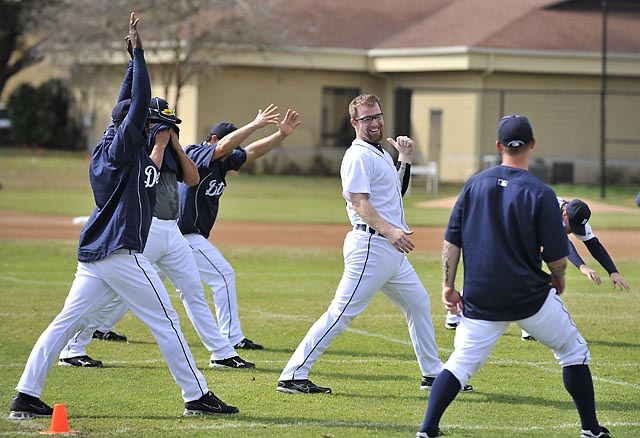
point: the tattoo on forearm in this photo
(445, 268)
(558, 271)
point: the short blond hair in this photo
(363, 99)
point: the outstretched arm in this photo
(599, 253)
(285, 128)
(234, 139)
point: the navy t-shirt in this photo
(507, 222)
(199, 204)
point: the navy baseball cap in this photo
(121, 110)
(579, 213)
(161, 112)
(221, 129)
(514, 131)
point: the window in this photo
(336, 127)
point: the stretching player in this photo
(167, 249)
(505, 223)
(575, 215)
(214, 157)
(110, 260)
(374, 251)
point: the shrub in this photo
(41, 117)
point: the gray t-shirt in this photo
(167, 197)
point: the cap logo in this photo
(584, 221)
(515, 143)
(168, 112)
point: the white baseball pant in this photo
(371, 263)
(551, 325)
(77, 345)
(219, 275)
(170, 252)
(132, 278)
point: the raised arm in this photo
(285, 128)
(190, 174)
(404, 146)
(234, 139)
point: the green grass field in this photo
(371, 367)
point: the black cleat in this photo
(80, 361)
(209, 404)
(427, 383)
(109, 336)
(25, 406)
(232, 362)
(528, 338)
(303, 386)
(451, 325)
(248, 344)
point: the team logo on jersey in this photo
(152, 176)
(215, 188)
(502, 182)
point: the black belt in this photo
(126, 251)
(365, 227)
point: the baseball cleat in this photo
(209, 404)
(604, 433)
(248, 344)
(451, 325)
(303, 386)
(232, 362)
(109, 336)
(427, 383)
(80, 361)
(24, 406)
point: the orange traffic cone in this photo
(59, 423)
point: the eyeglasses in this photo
(368, 119)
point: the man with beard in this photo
(374, 251)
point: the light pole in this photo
(603, 104)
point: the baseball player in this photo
(575, 215)
(214, 157)
(110, 260)
(374, 251)
(506, 223)
(167, 249)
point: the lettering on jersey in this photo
(215, 188)
(152, 176)
(502, 182)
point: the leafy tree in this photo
(20, 44)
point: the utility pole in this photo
(603, 104)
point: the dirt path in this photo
(13, 225)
